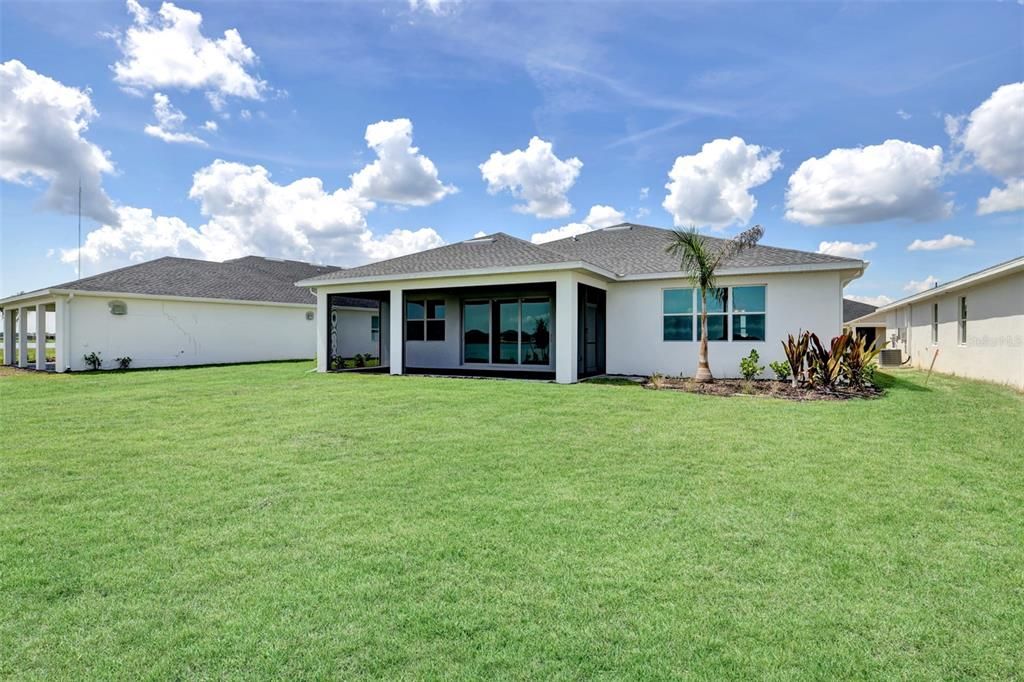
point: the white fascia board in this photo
(21, 299)
(158, 297)
(1007, 268)
(446, 274)
(853, 268)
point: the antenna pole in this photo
(79, 227)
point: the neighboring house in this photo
(179, 311)
(609, 301)
(971, 327)
(853, 310)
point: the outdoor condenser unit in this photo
(890, 357)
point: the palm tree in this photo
(699, 260)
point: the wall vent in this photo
(118, 308)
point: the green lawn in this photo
(261, 520)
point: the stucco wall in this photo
(810, 301)
(354, 332)
(165, 333)
(995, 332)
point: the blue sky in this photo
(768, 113)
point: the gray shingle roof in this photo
(629, 249)
(251, 278)
(625, 249)
(494, 251)
(854, 309)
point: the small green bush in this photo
(93, 359)
(123, 363)
(781, 369)
(749, 367)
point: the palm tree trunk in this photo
(703, 375)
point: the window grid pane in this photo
(678, 301)
(748, 299)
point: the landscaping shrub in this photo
(749, 367)
(796, 352)
(781, 369)
(93, 359)
(825, 366)
(123, 363)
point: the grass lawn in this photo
(260, 520)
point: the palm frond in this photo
(697, 260)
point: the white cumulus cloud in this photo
(400, 174)
(712, 187)
(1000, 199)
(993, 137)
(914, 286)
(877, 301)
(169, 123)
(949, 241)
(169, 50)
(42, 122)
(994, 133)
(599, 216)
(846, 249)
(895, 179)
(248, 213)
(211, 126)
(535, 175)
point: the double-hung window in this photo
(935, 323)
(962, 324)
(717, 301)
(375, 328)
(424, 320)
(744, 306)
(748, 314)
(678, 309)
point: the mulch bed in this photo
(761, 388)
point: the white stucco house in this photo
(180, 311)
(971, 327)
(610, 301)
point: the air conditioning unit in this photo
(890, 357)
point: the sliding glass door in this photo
(507, 331)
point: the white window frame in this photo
(728, 314)
(426, 319)
(693, 314)
(961, 315)
(935, 324)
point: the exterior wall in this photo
(354, 326)
(445, 354)
(168, 333)
(995, 331)
(809, 301)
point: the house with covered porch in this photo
(611, 301)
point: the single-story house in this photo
(180, 311)
(971, 327)
(611, 301)
(854, 310)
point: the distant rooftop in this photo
(252, 278)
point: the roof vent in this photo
(615, 228)
(479, 240)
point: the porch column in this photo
(22, 337)
(323, 330)
(9, 336)
(60, 335)
(396, 330)
(41, 336)
(565, 329)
